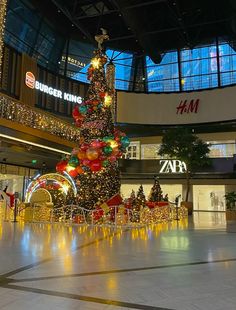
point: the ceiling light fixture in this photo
(35, 144)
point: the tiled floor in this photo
(184, 265)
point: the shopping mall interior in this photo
(117, 154)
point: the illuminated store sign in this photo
(186, 106)
(172, 166)
(31, 82)
(74, 62)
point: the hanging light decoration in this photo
(110, 78)
(3, 8)
(110, 75)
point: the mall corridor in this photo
(182, 265)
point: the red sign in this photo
(188, 106)
(30, 79)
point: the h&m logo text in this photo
(188, 107)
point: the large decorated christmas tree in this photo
(94, 163)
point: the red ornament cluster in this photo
(96, 155)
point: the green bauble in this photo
(105, 163)
(124, 141)
(107, 150)
(83, 109)
(108, 138)
(74, 161)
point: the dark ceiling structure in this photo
(149, 27)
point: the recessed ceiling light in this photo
(34, 144)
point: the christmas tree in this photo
(156, 192)
(94, 163)
(132, 198)
(140, 199)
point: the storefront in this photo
(13, 179)
(207, 190)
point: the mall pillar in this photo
(189, 205)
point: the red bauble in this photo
(78, 123)
(95, 165)
(95, 102)
(84, 147)
(97, 144)
(112, 158)
(102, 94)
(76, 112)
(103, 143)
(79, 170)
(86, 162)
(73, 173)
(61, 166)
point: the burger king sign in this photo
(32, 83)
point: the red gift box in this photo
(114, 200)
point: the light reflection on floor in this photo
(209, 220)
(179, 265)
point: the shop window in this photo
(150, 151)
(133, 150)
(219, 149)
(209, 197)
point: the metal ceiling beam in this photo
(96, 15)
(67, 13)
(172, 29)
(130, 7)
(143, 4)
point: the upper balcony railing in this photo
(18, 112)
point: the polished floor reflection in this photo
(183, 265)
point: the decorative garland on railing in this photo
(33, 118)
(120, 215)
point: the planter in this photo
(230, 215)
(188, 205)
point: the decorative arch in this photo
(54, 180)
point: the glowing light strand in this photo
(3, 8)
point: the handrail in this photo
(15, 111)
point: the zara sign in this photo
(172, 166)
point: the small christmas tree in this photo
(132, 198)
(137, 204)
(141, 199)
(156, 192)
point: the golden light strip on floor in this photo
(34, 144)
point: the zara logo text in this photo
(172, 166)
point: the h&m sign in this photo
(169, 166)
(188, 106)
